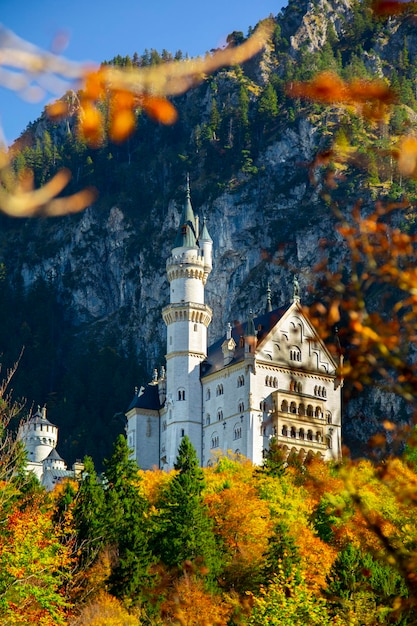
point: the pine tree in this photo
(186, 533)
(89, 514)
(126, 527)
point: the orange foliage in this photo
(371, 98)
(104, 610)
(188, 604)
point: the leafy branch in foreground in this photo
(33, 72)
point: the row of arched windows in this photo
(301, 434)
(302, 410)
(237, 432)
(295, 354)
(296, 386)
(320, 391)
(271, 381)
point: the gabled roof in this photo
(263, 324)
(54, 456)
(146, 398)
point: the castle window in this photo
(310, 435)
(241, 407)
(207, 419)
(263, 406)
(240, 381)
(237, 432)
(195, 327)
(182, 432)
(284, 406)
(329, 443)
(295, 354)
(301, 433)
(293, 432)
(181, 394)
(219, 415)
(208, 394)
(214, 441)
(310, 411)
(284, 431)
(329, 418)
(318, 412)
(293, 407)
(219, 390)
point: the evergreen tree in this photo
(125, 524)
(282, 555)
(186, 532)
(89, 514)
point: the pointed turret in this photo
(206, 245)
(186, 235)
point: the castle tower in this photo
(187, 318)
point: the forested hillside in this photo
(268, 168)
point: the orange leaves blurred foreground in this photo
(370, 98)
(147, 88)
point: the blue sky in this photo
(98, 30)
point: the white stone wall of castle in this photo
(186, 289)
(143, 438)
(39, 439)
(185, 335)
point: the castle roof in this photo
(186, 235)
(146, 398)
(54, 456)
(40, 418)
(262, 324)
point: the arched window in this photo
(208, 394)
(329, 442)
(219, 390)
(293, 407)
(284, 431)
(262, 406)
(240, 381)
(317, 412)
(181, 394)
(299, 387)
(318, 436)
(219, 415)
(241, 407)
(293, 432)
(275, 382)
(295, 354)
(301, 433)
(284, 406)
(310, 435)
(214, 440)
(310, 410)
(208, 419)
(237, 432)
(328, 417)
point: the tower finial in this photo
(188, 186)
(296, 289)
(268, 298)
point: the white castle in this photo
(271, 376)
(40, 438)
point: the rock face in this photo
(267, 223)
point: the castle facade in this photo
(271, 376)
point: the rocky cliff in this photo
(250, 176)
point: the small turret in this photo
(268, 299)
(206, 245)
(250, 336)
(228, 346)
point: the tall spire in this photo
(268, 299)
(186, 234)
